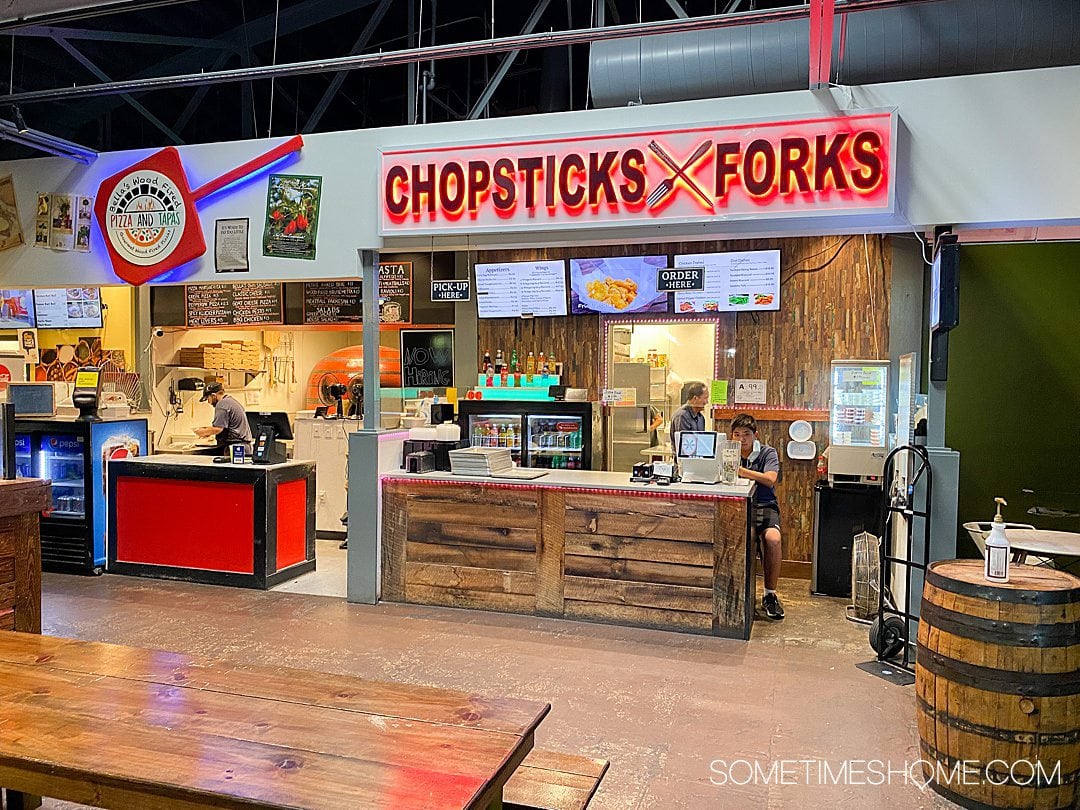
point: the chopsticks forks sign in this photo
(666, 187)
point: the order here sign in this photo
(809, 167)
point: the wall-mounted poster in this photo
(62, 222)
(231, 245)
(41, 220)
(395, 292)
(10, 226)
(616, 285)
(83, 218)
(292, 216)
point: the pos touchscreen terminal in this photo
(86, 392)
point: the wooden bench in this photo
(551, 781)
(121, 727)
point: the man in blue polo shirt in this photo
(761, 464)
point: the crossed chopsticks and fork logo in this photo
(678, 171)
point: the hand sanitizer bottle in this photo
(997, 548)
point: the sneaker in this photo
(770, 602)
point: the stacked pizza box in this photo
(231, 354)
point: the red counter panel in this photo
(161, 513)
(291, 523)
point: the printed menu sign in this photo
(747, 281)
(520, 289)
(333, 302)
(233, 304)
(395, 292)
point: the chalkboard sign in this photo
(395, 292)
(233, 304)
(333, 302)
(427, 358)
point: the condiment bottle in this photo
(997, 548)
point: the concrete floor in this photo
(661, 706)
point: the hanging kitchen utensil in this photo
(147, 211)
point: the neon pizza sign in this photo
(815, 167)
(147, 211)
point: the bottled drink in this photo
(490, 381)
(552, 367)
(541, 365)
(530, 367)
(504, 377)
(477, 436)
(499, 362)
(486, 363)
(514, 361)
(511, 436)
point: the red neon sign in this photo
(812, 167)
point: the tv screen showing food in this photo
(617, 285)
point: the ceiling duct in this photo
(900, 43)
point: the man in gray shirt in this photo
(230, 424)
(691, 415)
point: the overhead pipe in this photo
(947, 38)
(437, 52)
(13, 20)
(18, 132)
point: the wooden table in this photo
(122, 727)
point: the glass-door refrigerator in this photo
(74, 456)
(550, 435)
(859, 420)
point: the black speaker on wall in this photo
(939, 356)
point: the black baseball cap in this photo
(211, 388)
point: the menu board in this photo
(395, 292)
(747, 281)
(69, 308)
(616, 285)
(520, 289)
(233, 304)
(333, 302)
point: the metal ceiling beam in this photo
(339, 77)
(438, 52)
(44, 142)
(18, 14)
(85, 34)
(83, 60)
(507, 61)
(680, 12)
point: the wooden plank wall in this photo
(834, 306)
(648, 561)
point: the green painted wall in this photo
(1013, 394)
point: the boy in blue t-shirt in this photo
(761, 464)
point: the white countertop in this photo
(206, 461)
(588, 479)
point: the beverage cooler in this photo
(548, 435)
(74, 455)
(858, 420)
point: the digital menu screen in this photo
(70, 308)
(740, 281)
(616, 285)
(16, 309)
(520, 289)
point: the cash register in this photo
(268, 428)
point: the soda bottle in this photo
(504, 376)
(552, 366)
(499, 362)
(530, 367)
(511, 436)
(477, 436)
(514, 368)
(486, 363)
(490, 380)
(541, 365)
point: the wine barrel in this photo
(997, 686)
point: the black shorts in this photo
(766, 516)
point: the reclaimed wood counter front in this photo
(573, 544)
(21, 502)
